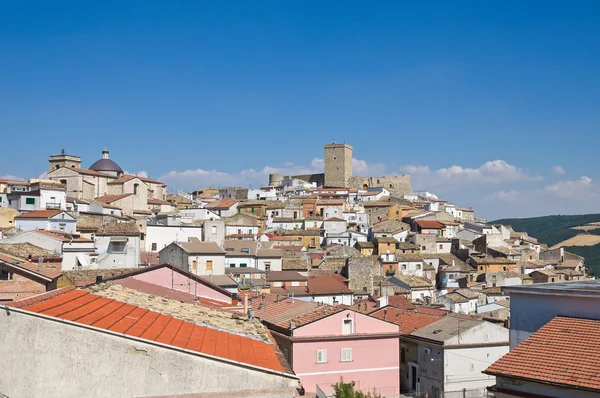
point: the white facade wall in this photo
(109, 258)
(236, 229)
(188, 215)
(345, 299)
(164, 235)
(236, 261)
(218, 264)
(52, 199)
(275, 263)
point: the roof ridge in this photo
(40, 297)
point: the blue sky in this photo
(478, 101)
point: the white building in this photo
(50, 220)
(453, 352)
(118, 246)
(160, 236)
(199, 258)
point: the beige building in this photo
(104, 177)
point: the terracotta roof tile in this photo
(565, 352)
(430, 224)
(111, 198)
(40, 214)
(408, 320)
(80, 306)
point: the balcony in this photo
(52, 205)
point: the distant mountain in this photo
(553, 230)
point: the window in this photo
(403, 266)
(62, 226)
(214, 229)
(423, 248)
(135, 188)
(29, 201)
(142, 236)
(63, 182)
(153, 247)
(194, 265)
(250, 231)
(232, 265)
(253, 210)
(346, 355)
(321, 356)
(267, 267)
(441, 246)
(117, 247)
(245, 250)
(5, 275)
(243, 265)
(209, 265)
(418, 266)
(347, 326)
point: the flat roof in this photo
(588, 288)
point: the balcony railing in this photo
(52, 205)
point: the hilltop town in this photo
(281, 290)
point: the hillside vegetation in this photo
(552, 230)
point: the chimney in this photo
(40, 263)
(98, 277)
(385, 315)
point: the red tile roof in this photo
(40, 214)
(223, 204)
(430, 224)
(282, 311)
(408, 320)
(49, 270)
(111, 198)
(400, 302)
(565, 352)
(116, 316)
(431, 310)
(62, 236)
(327, 285)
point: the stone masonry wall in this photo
(396, 185)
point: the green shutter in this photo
(29, 201)
(250, 231)
(232, 265)
(243, 265)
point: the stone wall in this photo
(338, 165)
(360, 273)
(396, 185)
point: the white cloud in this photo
(509, 196)
(492, 172)
(10, 177)
(446, 179)
(142, 173)
(362, 168)
(415, 170)
(194, 179)
(558, 170)
(582, 188)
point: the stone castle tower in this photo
(338, 165)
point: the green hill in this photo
(555, 229)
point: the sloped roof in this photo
(111, 198)
(408, 320)
(118, 317)
(196, 246)
(390, 226)
(430, 224)
(223, 204)
(447, 327)
(118, 228)
(564, 352)
(48, 270)
(327, 285)
(40, 214)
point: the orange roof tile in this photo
(408, 320)
(430, 224)
(111, 198)
(62, 236)
(40, 214)
(86, 308)
(49, 270)
(565, 352)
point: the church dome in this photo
(106, 165)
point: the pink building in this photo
(168, 280)
(323, 343)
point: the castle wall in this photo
(396, 185)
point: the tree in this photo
(346, 390)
